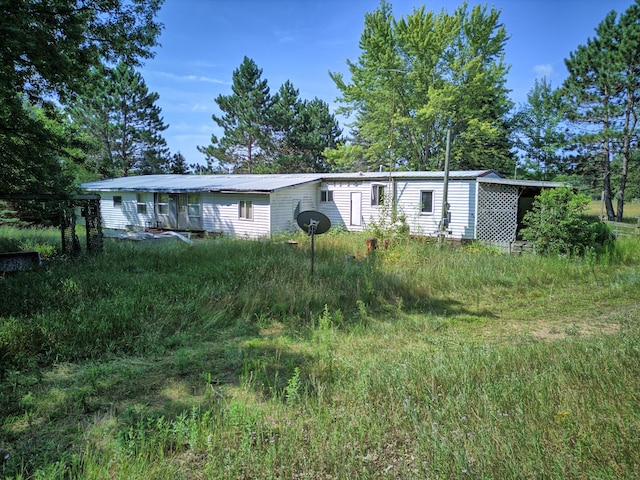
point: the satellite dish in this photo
(314, 223)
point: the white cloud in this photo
(194, 78)
(284, 36)
(203, 64)
(544, 70)
(200, 107)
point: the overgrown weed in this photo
(226, 359)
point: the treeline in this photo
(74, 106)
(428, 73)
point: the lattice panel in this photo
(93, 224)
(70, 241)
(497, 212)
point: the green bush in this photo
(557, 224)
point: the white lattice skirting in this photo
(497, 213)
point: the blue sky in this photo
(205, 40)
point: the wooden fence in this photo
(620, 229)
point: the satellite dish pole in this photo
(313, 223)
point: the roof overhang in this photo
(521, 183)
(229, 184)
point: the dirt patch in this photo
(583, 329)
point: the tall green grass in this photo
(227, 359)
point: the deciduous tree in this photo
(423, 74)
(47, 51)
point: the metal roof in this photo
(198, 183)
(255, 183)
(267, 183)
(419, 175)
(521, 183)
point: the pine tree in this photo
(178, 164)
(302, 131)
(270, 134)
(121, 116)
(245, 144)
(603, 89)
(539, 132)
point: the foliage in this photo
(419, 364)
(269, 134)
(538, 126)
(120, 116)
(9, 216)
(178, 164)
(301, 130)
(632, 183)
(40, 151)
(391, 224)
(48, 51)
(425, 73)
(557, 225)
(602, 90)
(245, 139)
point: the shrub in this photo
(557, 224)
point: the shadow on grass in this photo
(169, 331)
(48, 417)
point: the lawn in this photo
(226, 359)
(631, 211)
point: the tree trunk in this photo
(606, 180)
(630, 121)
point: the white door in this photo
(356, 208)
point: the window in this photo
(426, 202)
(326, 195)
(117, 201)
(193, 204)
(245, 209)
(377, 194)
(141, 199)
(163, 203)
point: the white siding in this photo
(220, 213)
(461, 197)
(339, 211)
(275, 213)
(287, 203)
(126, 215)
